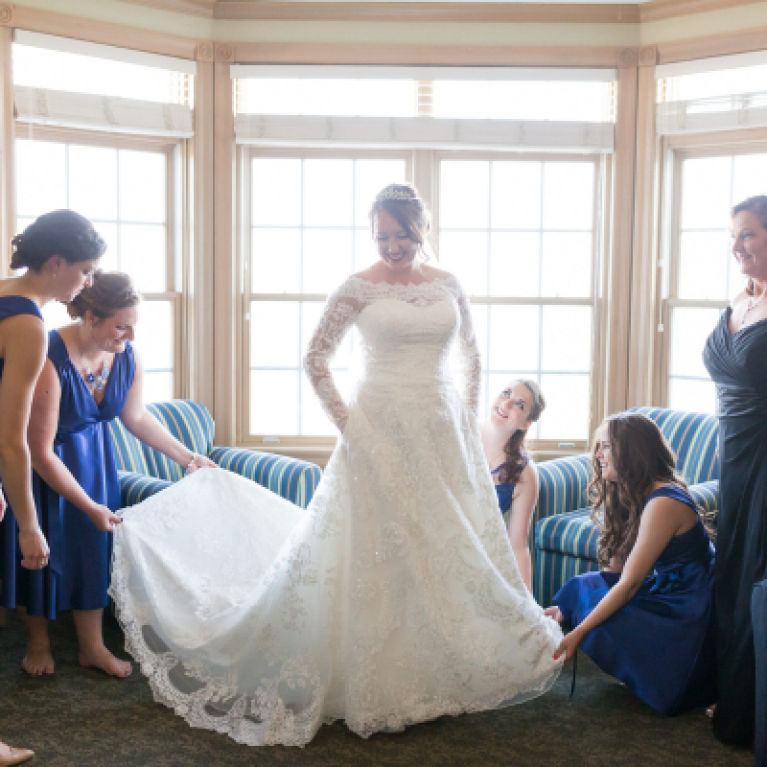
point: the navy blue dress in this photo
(660, 643)
(77, 576)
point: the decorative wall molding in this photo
(190, 7)
(657, 10)
(715, 45)
(432, 55)
(224, 53)
(6, 13)
(628, 57)
(429, 12)
(205, 52)
(648, 56)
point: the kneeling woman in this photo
(645, 618)
(91, 377)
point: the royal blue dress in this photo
(660, 644)
(77, 576)
(505, 493)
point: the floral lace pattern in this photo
(393, 599)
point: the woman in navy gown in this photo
(736, 358)
(503, 434)
(59, 251)
(92, 375)
(645, 619)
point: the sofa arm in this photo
(564, 484)
(290, 478)
(135, 488)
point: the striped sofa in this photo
(565, 539)
(144, 471)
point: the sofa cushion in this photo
(563, 485)
(573, 534)
(135, 488)
(693, 438)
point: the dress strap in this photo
(57, 349)
(674, 492)
(13, 305)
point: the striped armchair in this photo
(144, 471)
(565, 541)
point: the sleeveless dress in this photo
(10, 306)
(505, 492)
(393, 599)
(77, 575)
(737, 363)
(660, 643)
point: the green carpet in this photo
(82, 717)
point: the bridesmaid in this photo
(59, 252)
(646, 618)
(503, 434)
(92, 376)
(736, 358)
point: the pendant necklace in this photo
(94, 381)
(752, 303)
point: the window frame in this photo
(674, 150)
(176, 154)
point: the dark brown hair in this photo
(403, 202)
(641, 457)
(758, 206)
(110, 292)
(515, 449)
(58, 233)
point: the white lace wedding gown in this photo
(393, 599)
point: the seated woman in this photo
(92, 375)
(645, 618)
(516, 479)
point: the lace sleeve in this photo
(471, 362)
(337, 317)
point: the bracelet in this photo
(194, 458)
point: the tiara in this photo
(393, 193)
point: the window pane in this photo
(327, 260)
(158, 387)
(737, 280)
(154, 334)
(142, 186)
(703, 264)
(695, 396)
(568, 195)
(328, 187)
(41, 182)
(110, 261)
(567, 406)
(749, 173)
(465, 255)
(464, 199)
(274, 401)
(93, 181)
(515, 264)
(371, 176)
(690, 329)
(567, 338)
(142, 255)
(276, 192)
(567, 258)
(55, 315)
(276, 263)
(706, 193)
(274, 339)
(514, 338)
(516, 195)
(365, 252)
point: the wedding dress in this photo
(393, 599)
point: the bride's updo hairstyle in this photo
(110, 292)
(58, 233)
(403, 202)
(758, 206)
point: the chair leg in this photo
(759, 619)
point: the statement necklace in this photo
(752, 303)
(94, 381)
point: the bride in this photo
(395, 597)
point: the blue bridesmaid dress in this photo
(660, 644)
(505, 493)
(77, 576)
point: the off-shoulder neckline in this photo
(437, 281)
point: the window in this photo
(308, 230)
(703, 276)
(520, 235)
(127, 194)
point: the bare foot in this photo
(38, 661)
(555, 613)
(102, 659)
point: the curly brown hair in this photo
(109, 293)
(515, 449)
(641, 457)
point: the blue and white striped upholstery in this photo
(565, 537)
(144, 471)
